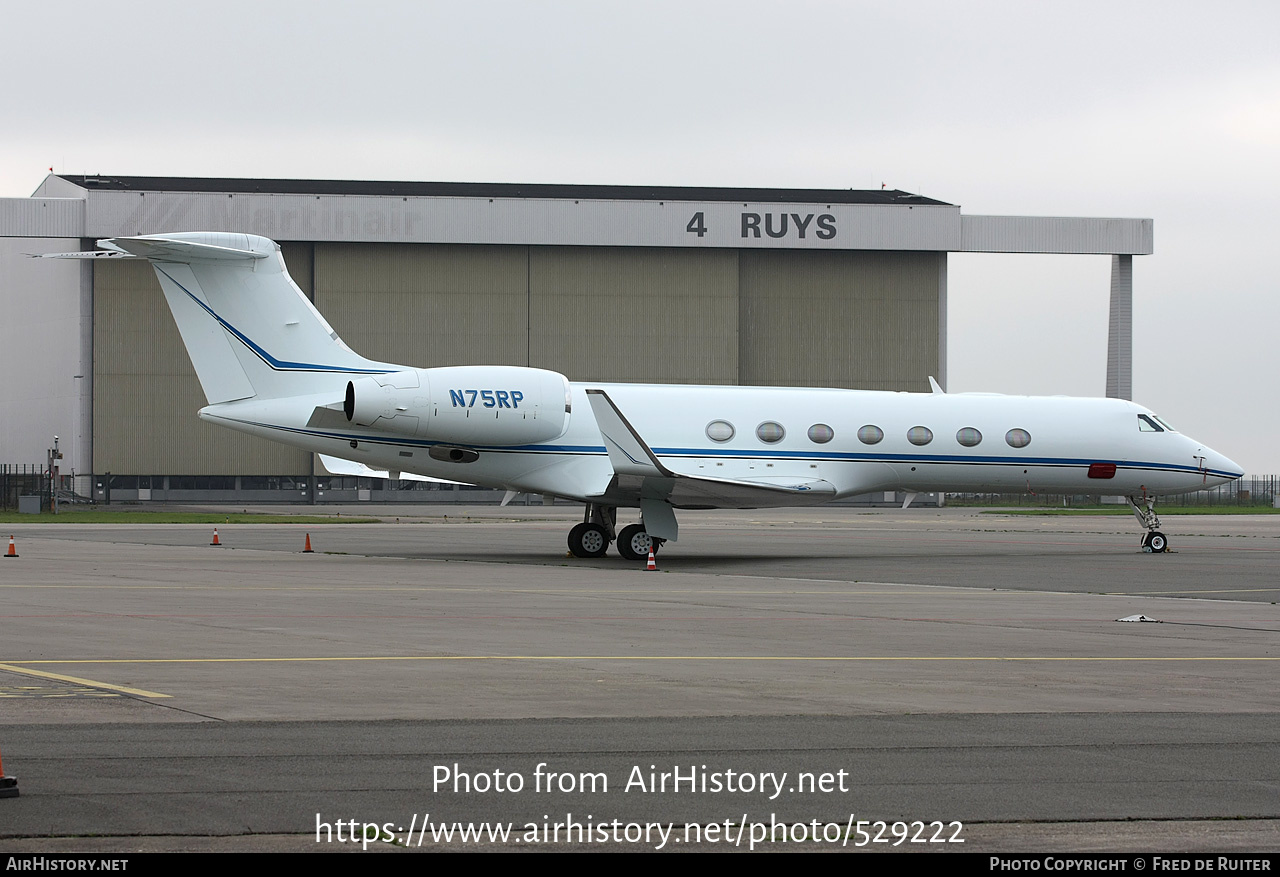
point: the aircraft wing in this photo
(640, 474)
(339, 466)
(701, 492)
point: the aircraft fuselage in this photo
(858, 441)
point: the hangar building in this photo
(812, 287)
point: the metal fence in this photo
(33, 480)
(23, 480)
(1250, 491)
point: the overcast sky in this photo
(1164, 109)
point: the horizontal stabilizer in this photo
(201, 246)
(210, 246)
(85, 254)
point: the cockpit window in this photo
(1164, 423)
(1147, 423)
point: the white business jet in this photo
(270, 365)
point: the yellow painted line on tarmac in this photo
(1196, 591)
(744, 658)
(75, 680)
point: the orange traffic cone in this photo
(308, 550)
(653, 562)
(216, 541)
(8, 785)
(13, 550)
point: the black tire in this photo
(588, 540)
(1159, 544)
(633, 542)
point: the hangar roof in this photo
(497, 190)
(538, 214)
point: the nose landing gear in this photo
(1153, 541)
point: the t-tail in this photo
(248, 328)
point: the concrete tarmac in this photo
(960, 668)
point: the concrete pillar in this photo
(941, 376)
(1120, 330)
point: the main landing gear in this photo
(591, 538)
(634, 543)
(588, 540)
(1153, 541)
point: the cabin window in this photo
(770, 432)
(969, 437)
(720, 430)
(1148, 424)
(820, 433)
(919, 435)
(1017, 438)
(870, 435)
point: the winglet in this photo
(628, 453)
(937, 388)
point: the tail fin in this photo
(248, 328)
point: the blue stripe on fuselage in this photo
(798, 456)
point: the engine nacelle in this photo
(466, 404)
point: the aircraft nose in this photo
(1218, 466)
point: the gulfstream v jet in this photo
(270, 365)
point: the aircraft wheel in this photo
(633, 542)
(588, 540)
(1158, 543)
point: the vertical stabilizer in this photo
(248, 328)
